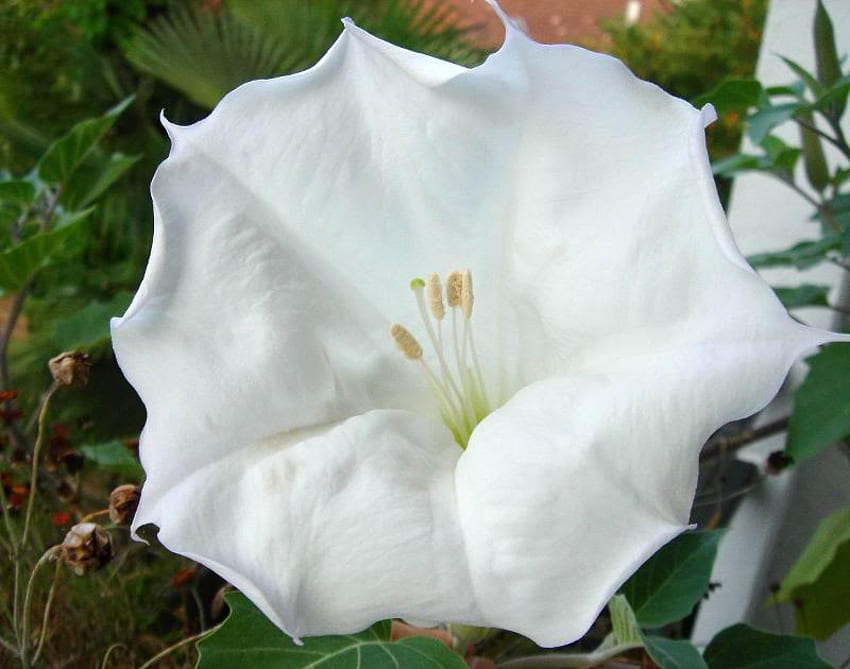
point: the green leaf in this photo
(89, 183)
(819, 582)
(20, 262)
(668, 585)
(767, 118)
(15, 198)
(807, 77)
(821, 404)
(673, 654)
(780, 155)
(89, 326)
(733, 95)
(113, 456)
(65, 154)
(817, 171)
(740, 162)
(248, 639)
(802, 255)
(743, 647)
(826, 57)
(19, 193)
(806, 295)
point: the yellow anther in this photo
(405, 341)
(435, 296)
(453, 288)
(466, 297)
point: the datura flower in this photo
(534, 440)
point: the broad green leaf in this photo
(806, 295)
(18, 193)
(780, 155)
(89, 183)
(113, 456)
(66, 153)
(673, 654)
(89, 326)
(733, 95)
(765, 119)
(668, 585)
(743, 647)
(248, 639)
(821, 404)
(819, 582)
(802, 255)
(18, 263)
(15, 198)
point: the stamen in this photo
(435, 296)
(453, 288)
(466, 297)
(461, 397)
(406, 342)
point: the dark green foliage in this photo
(673, 654)
(248, 639)
(668, 585)
(691, 49)
(743, 647)
(205, 53)
(822, 404)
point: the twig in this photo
(820, 133)
(39, 442)
(740, 492)
(8, 646)
(25, 614)
(720, 444)
(109, 652)
(196, 637)
(11, 320)
(42, 637)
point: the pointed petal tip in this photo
(708, 114)
(348, 22)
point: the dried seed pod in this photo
(87, 547)
(123, 502)
(70, 369)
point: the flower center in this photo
(458, 387)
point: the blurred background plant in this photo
(76, 218)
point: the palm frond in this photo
(204, 54)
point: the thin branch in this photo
(820, 133)
(45, 619)
(25, 614)
(730, 444)
(196, 637)
(39, 442)
(11, 320)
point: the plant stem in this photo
(820, 133)
(42, 637)
(196, 637)
(39, 442)
(25, 614)
(11, 320)
(748, 436)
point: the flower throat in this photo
(459, 388)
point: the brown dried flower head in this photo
(86, 548)
(123, 502)
(70, 369)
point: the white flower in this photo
(291, 448)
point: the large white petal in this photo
(578, 479)
(332, 529)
